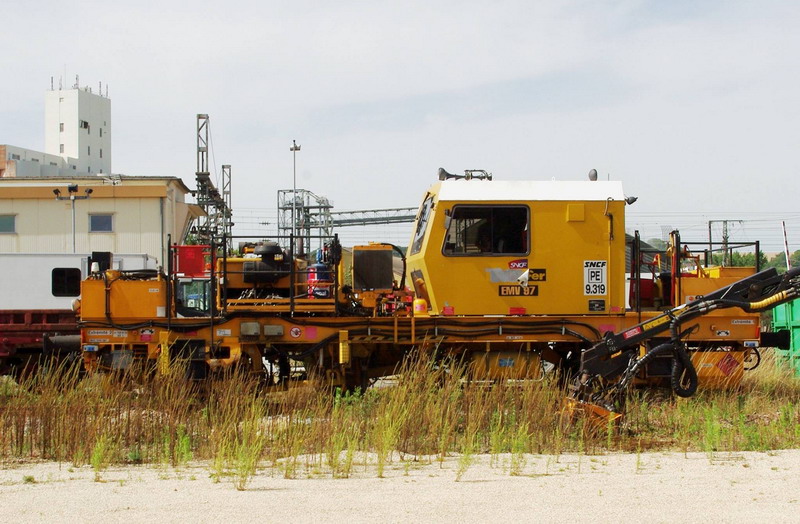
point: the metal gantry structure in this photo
(311, 213)
(315, 218)
(227, 215)
(217, 223)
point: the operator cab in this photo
(193, 298)
(484, 247)
(191, 265)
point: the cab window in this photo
(487, 230)
(422, 224)
(193, 298)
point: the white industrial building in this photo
(65, 199)
(121, 214)
(77, 138)
(77, 126)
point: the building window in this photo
(89, 150)
(61, 127)
(61, 148)
(101, 153)
(65, 282)
(101, 223)
(487, 230)
(101, 132)
(14, 157)
(7, 224)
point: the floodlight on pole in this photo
(72, 196)
(294, 149)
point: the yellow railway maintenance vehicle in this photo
(507, 276)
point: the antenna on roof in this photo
(51, 83)
(77, 82)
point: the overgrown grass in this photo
(429, 414)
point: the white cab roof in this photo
(493, 190)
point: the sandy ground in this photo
(658, 487)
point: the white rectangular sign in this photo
(594, 277)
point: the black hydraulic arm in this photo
(613, 355)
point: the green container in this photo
(787, 316)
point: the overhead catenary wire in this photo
(761, 226)
(742, 227)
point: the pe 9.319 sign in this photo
(594, 277)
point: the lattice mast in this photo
(217, 223)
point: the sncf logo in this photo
(594, 263)
(521, 263)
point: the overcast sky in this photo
(694, 106)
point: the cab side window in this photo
(487, 230)
(422, 224)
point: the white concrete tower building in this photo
(78, 128)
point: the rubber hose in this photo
(757, 354)
(682, 363)
(650, 355)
